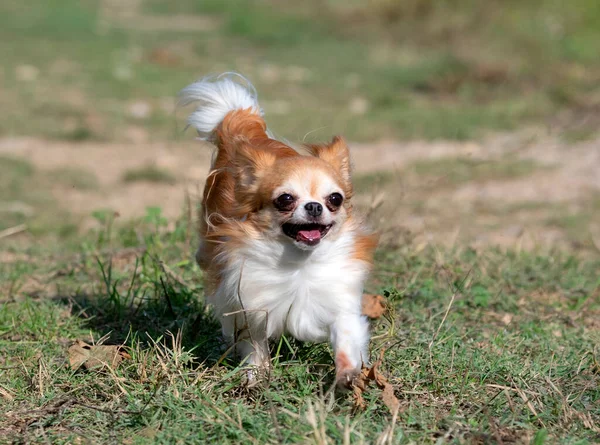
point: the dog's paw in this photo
(345, 378)
(255, 375)
(346, 371)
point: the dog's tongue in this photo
(309, 235)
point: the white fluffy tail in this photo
(217, 96)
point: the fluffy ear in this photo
(337, 154)
(250, 164)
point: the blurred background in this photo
(470, 122)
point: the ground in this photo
(473, 128)
(526, 189)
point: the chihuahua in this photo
(280, 245)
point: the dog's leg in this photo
(349, 338)
(250, 343)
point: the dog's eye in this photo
(335, 200)
(284, 202)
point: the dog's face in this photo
(308, 203)
(299, 199)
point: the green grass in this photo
(424, 68)
(450, 171)
(25, 197)
(149, 173)
(484, 347)
(580, 224)
(366, 182)
(74, 178)
(456, 171)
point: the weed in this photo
(423, 69)
(461, 170)
(479, 346)
(74, 178)
(149, 173)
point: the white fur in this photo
(300, 187)
(216, 96)
(276, 285)
(274, 288)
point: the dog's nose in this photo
(314, 209)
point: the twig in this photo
(168, 271)
(164, 286)
(12, 231)
(377, 202)
(107, 411)
(110, 411)
(188, 205)
(522, 394)
(437, 332)
(6, 394)
(54, 408)
(443, 320)
(459, 289)
(227, 417)
(273, 414)
(509, 388)
(393, 424)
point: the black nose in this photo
(314, 209)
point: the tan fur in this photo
(364, 247)
(248, 167)
(240, 137)
(337, 155)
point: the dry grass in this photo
(487, 347)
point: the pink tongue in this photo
(309, 235)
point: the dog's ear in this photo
(336, 154)
(250, 164)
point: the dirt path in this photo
(571, 179)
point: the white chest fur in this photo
(291, 290)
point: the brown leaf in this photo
(373, 306)
(6, 394)
(164, 57)
(95, 356)
(359, 401)
(367, 375)
(388, 397)
(506, 319)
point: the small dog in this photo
(280, 245)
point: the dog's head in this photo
(301, 199)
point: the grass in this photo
(369, 181)
(581, 223)
(488, 347)
(461, 170)
(481, 345)
(450, 171)
(74, 178)
(26, 198)
(149, 173)
(420, 69)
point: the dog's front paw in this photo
(345, 379)
(255, 375)
(346, 372)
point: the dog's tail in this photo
(227, 108)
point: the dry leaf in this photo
(95, 356)
(373, 306)
(164, 57)
(372, 374)
(6, 394)
(358, 388)
(506, 319)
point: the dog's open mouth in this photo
(309, 234)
